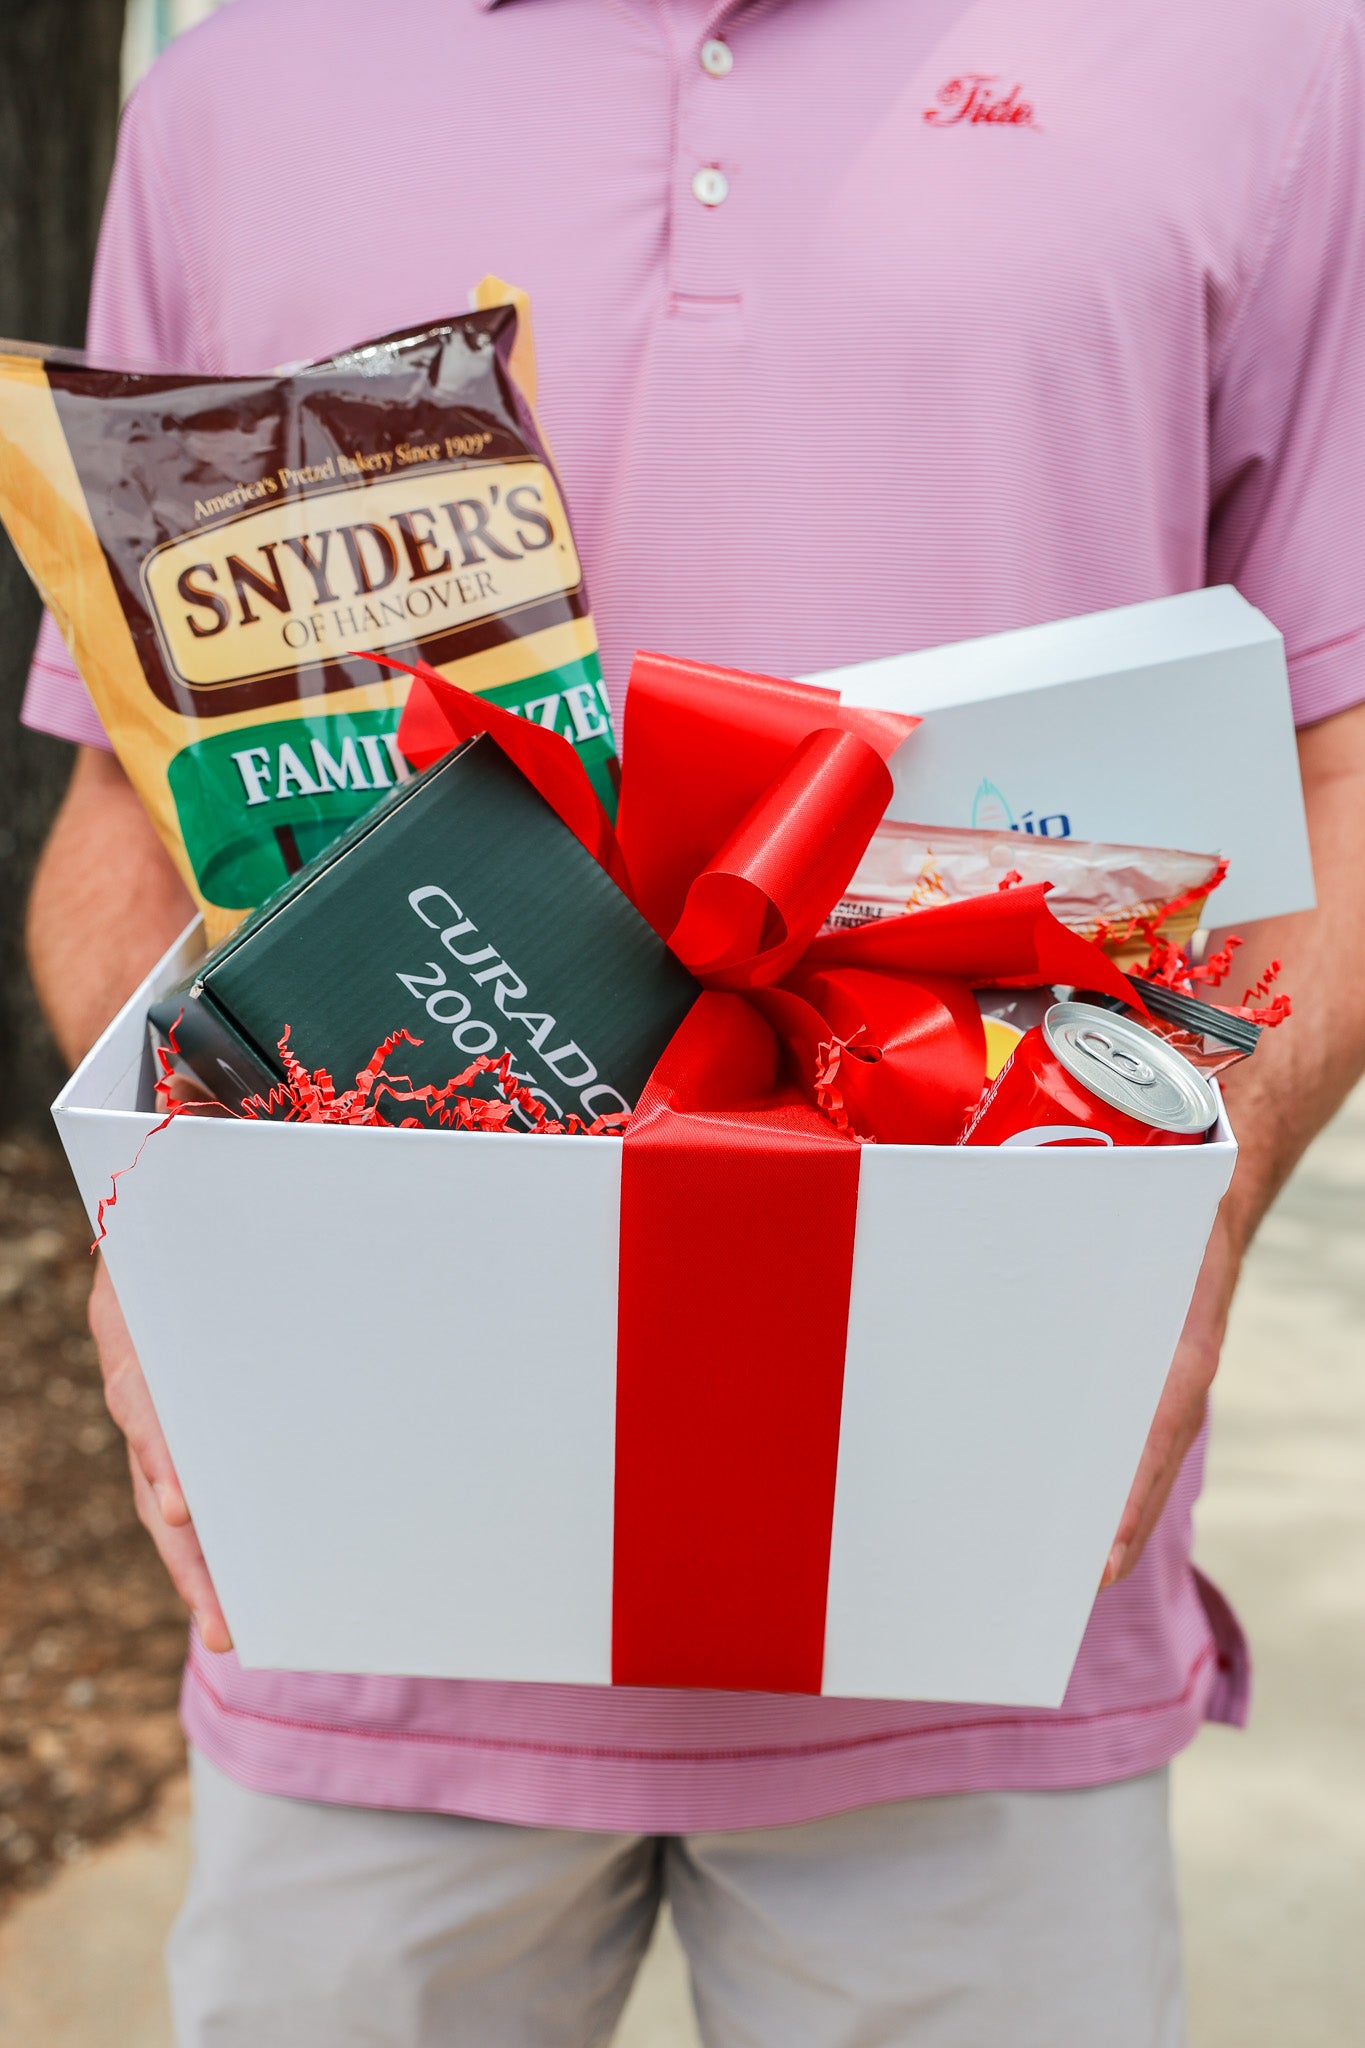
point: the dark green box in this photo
(463, 909)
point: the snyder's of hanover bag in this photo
(221, 553)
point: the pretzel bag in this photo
(221, 555)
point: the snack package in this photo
(1209, 1038)
(1006, 1015)
(221, 553)
(1119, 895)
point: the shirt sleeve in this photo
(142, 316)
(1287, 481)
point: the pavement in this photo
(1270, 1825)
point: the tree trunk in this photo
(59, 97)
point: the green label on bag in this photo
(256, 804)
(572, 701)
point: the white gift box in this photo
(1103, 727)
(385, 1362)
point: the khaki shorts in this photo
(994, 1920)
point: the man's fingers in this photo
(1151, 1489)
(171, 1501)
(160, 1504)
(1155, 1475)
(130, 1405)
(1181, 1409)
(178, 1548)
(1159, 1492)
(1161, 1456)
(128, 1401)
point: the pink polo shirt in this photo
(885, 323)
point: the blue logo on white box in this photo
(991, 813)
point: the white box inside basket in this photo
(1104, 727)
(385, 1364)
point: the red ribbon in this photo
(746, 804)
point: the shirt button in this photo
(717, 57)
(710, 185)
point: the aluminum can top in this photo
(1130, 1068)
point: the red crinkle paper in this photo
(172, 1108)
(304, 1097)
(829, 1098)
(1167, 963)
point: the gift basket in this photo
(656, 1228)
(690, 1307)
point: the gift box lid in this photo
(1160, 724)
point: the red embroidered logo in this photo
(973, 97)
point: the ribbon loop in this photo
(705, 747)
(795, 852)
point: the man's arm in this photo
(1279, 1099)
(106, 904)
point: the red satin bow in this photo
(746, 805)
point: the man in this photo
(864, 325)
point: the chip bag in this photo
(1119, 896)
(221, 553)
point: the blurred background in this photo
(65, 66)
(90, 1636)
(1270, 1824)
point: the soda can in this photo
(1086, 1076)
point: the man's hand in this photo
(1277, 1100)
(156, 1490)
(1183, 1405)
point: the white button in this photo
(717, 57)
(710, 186)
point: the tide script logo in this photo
(975, 97)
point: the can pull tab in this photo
(1126, 1065)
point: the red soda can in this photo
(1087, 1076)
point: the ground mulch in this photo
(91, 1634)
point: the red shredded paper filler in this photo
(313, 1097)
